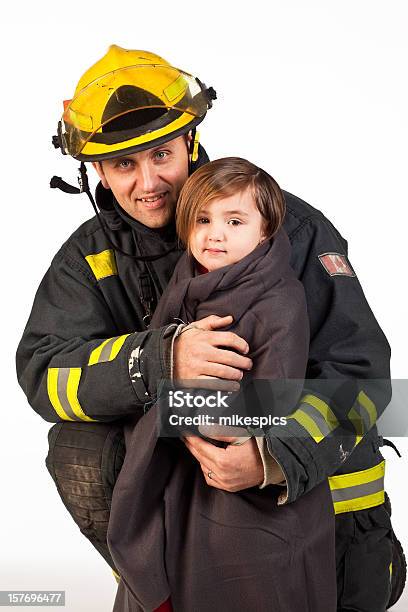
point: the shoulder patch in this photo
(102, 264)
(336, 264)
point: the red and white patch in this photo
(336, 264)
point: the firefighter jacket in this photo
(89, 319)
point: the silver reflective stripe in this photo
(316, 417)
(349, 493)
(106, 351)
(62, 387)
(364, 416)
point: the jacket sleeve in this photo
(347, 383)
(74, 363)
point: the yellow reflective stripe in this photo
(96, 353)
(72, 394)
(96, 148)
(117, 345)
(343, 485)
(107, 350)
(323, 408)
(359, 503)
(308, 423)
(390, 570)
(316, 417)
(343, 481)
(102, 264)
(363, 415)
(365, 401)
(52, 388)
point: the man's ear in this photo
(99, 169)
(189, 138)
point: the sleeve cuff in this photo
(269, 466)
(170, 349)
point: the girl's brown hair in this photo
(223, 178)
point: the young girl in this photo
(208, 549)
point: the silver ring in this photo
(209, 474)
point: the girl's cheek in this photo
(194, 236)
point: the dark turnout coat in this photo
(88, 319)
(210, 550)
(90, 296)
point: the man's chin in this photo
(153, 218)
(158, 221)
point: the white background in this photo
(315, 92)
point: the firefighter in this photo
(88, 360)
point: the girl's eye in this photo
(234, 222)
(202, 220)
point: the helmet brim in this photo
(98, 152)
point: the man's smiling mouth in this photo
(153, 201)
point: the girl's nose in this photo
(215, 233)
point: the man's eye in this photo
(125, 164)
(161, 154)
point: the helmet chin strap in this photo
(193, 151)
(58, 183)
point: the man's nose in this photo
(147, 178)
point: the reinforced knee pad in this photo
(84, 460)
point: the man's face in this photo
(147, 184)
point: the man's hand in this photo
(197, 352)
(233, 468)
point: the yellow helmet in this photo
(130, 101)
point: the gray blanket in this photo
(170, 534)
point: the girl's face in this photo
(226, 230)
